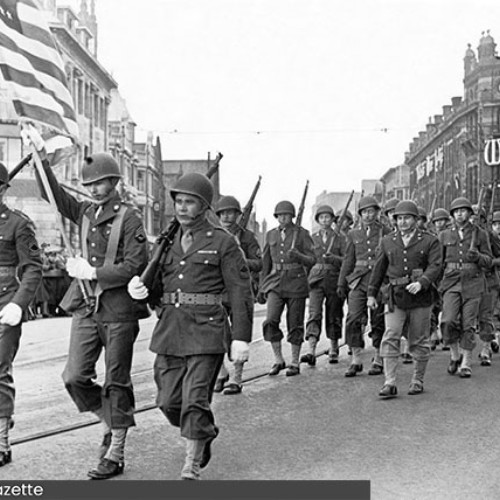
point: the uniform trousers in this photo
(333, 313)
(355, 320)
(295, 312)
(116, 397)
(9, 344)
(486, 307)
(417, 321)
(185, 388)
(459, 318)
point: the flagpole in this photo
(52, 202)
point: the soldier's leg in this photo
(272, 332)
(356, 314)
(333, 314)
(451, 327)
(222, 378)
(486, 327)
(377, 321)
(169, 372)
(295, 313)
(495, 343)
(314, 322)
(470, 313)
(419, 345)
(9, 344)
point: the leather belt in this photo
(324, 266)
(286, 267)
(400, 281)
(459, 265)
(8, 270)
(193, 299)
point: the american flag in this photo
(31, 68)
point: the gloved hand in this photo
(472, 255)
(329, 258)
(78, 267)
(294, 255)
(137, 289)
(30, 135)
(261, 298)
(371, 302)
(11, 314)
(341, 293)
(239, 351)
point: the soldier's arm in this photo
(485, 255)
(267, 262)
(379, 271)
(135, 255)
(349, 261)
(434, 268)
(254, 256)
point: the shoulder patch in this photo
(139, 235)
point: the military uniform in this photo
(189, 338)
(20, 257)
(113, 322)
(284, 282)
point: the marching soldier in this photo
(361, 249)
(422, 219)
(20, 256)
(228, 210)
(495, 244)
(440, 219)
(389, 212)
(284, 283)
(114, 249)
(411, 259)
(329, 248)
(347, 223)
(466, 253)
(203, 267)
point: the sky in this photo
(330, 91)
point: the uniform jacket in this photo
(328, 277)
(18, 249)
(360, 254)
(115, 304)
(419, 261)
(214, 264)
(455, 250)
(492, 276)
(289, 283)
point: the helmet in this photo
(284, 207)
(440, 213)
(406, 207)
(195, 184)
(227, 203)
(99, 166)
(460, 203)
(324, 209)
(348, 216)
(390, 205)
(4, 174)
(496, 217)
(367, 202)
(422, 213)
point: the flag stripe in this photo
(28, 80)
(40, 114)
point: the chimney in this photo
(455, 102)
(446, 110)
(423, 137)
(438, 119)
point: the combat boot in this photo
(194, 452)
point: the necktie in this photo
(283, 235)
(186, 241)
(368, 231)
(98, 211)
(461, 233)
(324, 236)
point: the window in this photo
(140, 180)
(3, 151)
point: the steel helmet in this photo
(4, 174)
(496, 217)
(348, 216)
(284, 207)
(440, 213)
(195, 184)
(390, 205)
(227, 203)
(460, 203)
(422, 213)
(99, 166)
(324, 209)
(367, 202)
(406, 207)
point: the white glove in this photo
(30, 135)
(78, 267)
(239, 351)
(137, 289)
(11, 314)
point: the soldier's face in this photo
(390, 218)
(325, 221)
(284, 220)
(188, 209)
(461, 215)
(101, 191)
(368, 215)
(406, 223)
(496, 227)
(440, 224)
(228, 217)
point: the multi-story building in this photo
(447, 159)
(396, 183)
(337, 201)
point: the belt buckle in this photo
(176, 295)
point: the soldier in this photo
(20, 255)
(114, 249)
(361, 249)
(347, 223)
(228, 210)
(422, 219)
(284, 283)
(323, 279)
(389, 207)
(203, 265)
(466, 253)
(495, 243)
(440, 219)
(411, 258)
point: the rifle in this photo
(20, 166)
(166, 238)
(340, 222)
(473, 240)
(300, 213)
(493, 194)
(433, 207)
(247, 211)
